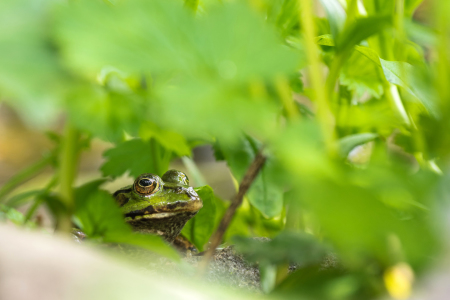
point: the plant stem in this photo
(247, 181)
(315, 71)
(38, 201)
(285, 94)
(68, 163)
(24, 176)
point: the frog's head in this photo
(160, 206)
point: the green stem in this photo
(315, 71)
(68, 163)
(333, 75)
(391, 92)
(285, 94)
(24, 176)
(38, 201)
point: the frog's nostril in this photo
(145, 182)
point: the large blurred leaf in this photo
(317, 282)
(230, 42)
(168, 139)
(186, 108)
(209, 61)
(299, 148)
(30, 77)
(137, 157)
(199, 229)
(359, 217)
(108, 115)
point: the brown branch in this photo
(246, 182)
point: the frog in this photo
(159, 205)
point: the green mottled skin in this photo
(163, 210)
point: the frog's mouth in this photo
(167, 211)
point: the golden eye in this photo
(146, 186)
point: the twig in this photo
(246, 182)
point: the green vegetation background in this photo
(159, 78)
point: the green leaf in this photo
(136, 156)
(404, 75)
(317, 282)
(11, 214)
(82, 193)
(362, 76)
(325, 40)
(213, 72)
(145, 36)
(105, 113)
(348, 143)
(396, 73)
(168, 139)
(265, 194)
(199, 229)
(97, 213)
(31, 80)
(359, 31)
(366, 214)
(284, 15)
(191, 4)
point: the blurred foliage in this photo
(356, 159)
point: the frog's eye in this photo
(146, 185)
(174, 176)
